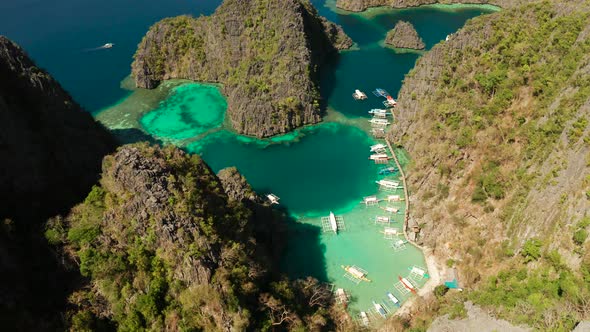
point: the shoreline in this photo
(376, 10)
(435, 271)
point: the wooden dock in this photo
(406, 195)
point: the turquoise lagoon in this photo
(319, 168)
(314, 170)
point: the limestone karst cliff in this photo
(265, 53)
(496, 121)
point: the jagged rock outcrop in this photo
(51, 149)
(265, 53)
(404, 35)
(361, 5)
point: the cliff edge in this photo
(265, 53)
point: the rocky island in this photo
(266, 54)
(404, 35)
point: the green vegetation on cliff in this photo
(165, 248)
(265, 53)
(497, 121)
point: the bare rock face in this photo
(403, 35)
(51, 149)
(265, 53)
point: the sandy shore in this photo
(436, 273)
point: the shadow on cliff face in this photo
(51, 152)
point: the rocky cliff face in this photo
(496, 120)
(361, 5)
(265, 53)
(403, 35)
(51, 150)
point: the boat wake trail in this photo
(103, 47)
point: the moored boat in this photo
(377, 111)
(359, 95)
(364, 318)
(333, 222)
(406, 283)
(356, 272)
(341, 296)
(378, 147)
(380, 92)
(387, 170)
(274, 199)
(378, 156)
(393, 299)
(380, 122)
(388, 183)
(379, 309)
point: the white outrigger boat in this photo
(274, 199)
(108, 45)
(407, 284)
(359, 95)
(378, 147)
(356, 272)
(379, 309)
(378, 156)
(391, 209)
(364, 319)
(390, 102)
(341, 296)
(333, 222)
(380, 122)
(378, 111)
(389, 184)
(393, 299)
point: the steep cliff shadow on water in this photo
(308, 262)
(327, 81)
(134, 135)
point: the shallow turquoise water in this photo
(190, 110)
(326, 166)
